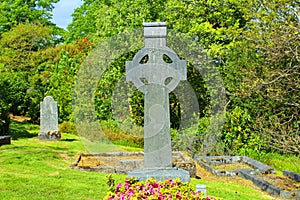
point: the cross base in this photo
(160, 174)
(50, 135)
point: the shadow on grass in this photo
(20, 130)
(35, 148)
(68, 140)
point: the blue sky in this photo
(63, 10)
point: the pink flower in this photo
(178, 195)
(118, 187)
(131, 192)
(156, 185)
(126, 186)
(144, 190)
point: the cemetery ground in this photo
(34, 169)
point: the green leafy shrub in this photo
(118, 136)
(201, 138)
(122, 138)
(238, 133)
(15, 93)
(151, 189)
(68, 127)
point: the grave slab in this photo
(125, 162)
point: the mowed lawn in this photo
(33, 169)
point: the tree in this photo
(20, 45)
(254, 44)
(99, 19)
(13, 12)
(18, 60)
(265, 63)
(63, 76)
(213, 25)
(55, 76)
(22, 54)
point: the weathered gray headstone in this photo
(49, 120)
(156, 70)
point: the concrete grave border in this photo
(180, 160)
(206, 161)
(248, 174)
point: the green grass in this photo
(280, 162)
(33, 169)
(231, 190)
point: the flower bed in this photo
(153, 190)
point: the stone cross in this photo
(49, 120)
(156, 70)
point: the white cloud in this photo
(63, 10)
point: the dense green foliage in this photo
(266, 64)
(254, 44)
(13, 12)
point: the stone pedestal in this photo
(49, 135)
(160, 174)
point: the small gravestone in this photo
(156, 71)
(49, 120)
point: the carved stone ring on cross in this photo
(160, 66)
